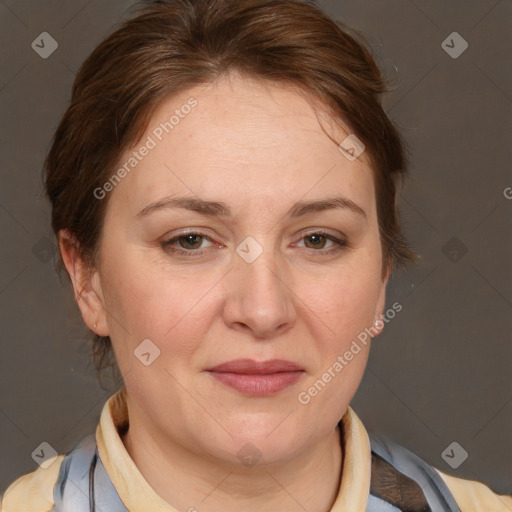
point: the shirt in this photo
(34, 492)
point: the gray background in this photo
(440, 372)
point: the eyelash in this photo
(167, 245)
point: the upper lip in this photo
(252, 367)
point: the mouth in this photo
(257, 378)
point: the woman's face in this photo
(253, 282)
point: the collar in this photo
(137, 494)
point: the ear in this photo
(381, 304)
(86, 284)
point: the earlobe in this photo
(86, 284)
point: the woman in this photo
(223, 193)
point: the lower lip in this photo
(258, 385)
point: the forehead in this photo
(246, 138)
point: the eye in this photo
(188, 243)
(316, 240)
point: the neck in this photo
(308, 482)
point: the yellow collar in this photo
(138, 496)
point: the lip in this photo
(252, 367)
(257, 378)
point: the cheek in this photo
(345, 304)
(341, 343)
(162, 306)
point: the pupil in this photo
(191, 239)
(317, 237)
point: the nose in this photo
(259, 300)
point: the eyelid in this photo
(189, 231)
(322, 231)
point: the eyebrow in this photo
(216, 208)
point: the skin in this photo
(259, 148)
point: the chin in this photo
(265, 437)
(260, 451)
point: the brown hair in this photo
(170, 46)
